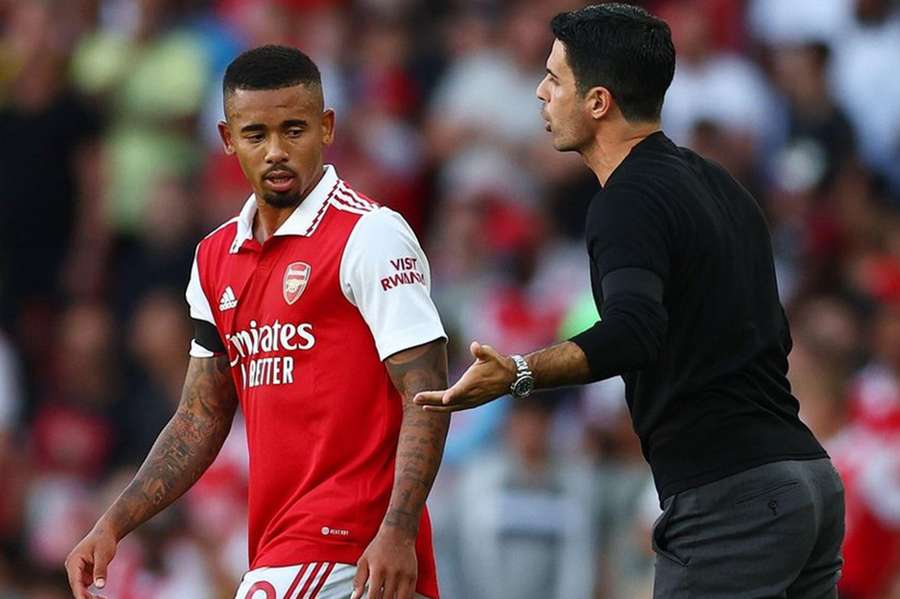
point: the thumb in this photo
(359, 581)
(485, 353)
(101, 561)
(480, 352)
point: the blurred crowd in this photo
(111, 171)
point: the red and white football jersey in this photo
(306, 319)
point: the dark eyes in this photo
(292, 132)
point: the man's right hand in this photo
(87, 563)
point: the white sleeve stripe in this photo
(195, 296)
(198, 351)
(348, 201)
(347, 197)
(337, 203)
(362, 201)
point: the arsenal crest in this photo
(295, 279)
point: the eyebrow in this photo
(255, 127)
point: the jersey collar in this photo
(302, 219)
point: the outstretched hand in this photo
(488, 378)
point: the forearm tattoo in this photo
(184, 449)
(422, 434)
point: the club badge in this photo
(295, 279)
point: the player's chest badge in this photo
(295, 279)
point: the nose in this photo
(539, 91)
(275, 152)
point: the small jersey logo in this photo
(228, 301)
(338, 532)
(295, 279)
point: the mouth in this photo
(279, 181)
(546, 121)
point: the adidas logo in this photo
(228, 300)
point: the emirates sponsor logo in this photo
(247, 344)
(296, 276)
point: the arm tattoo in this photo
(422, 434)
(560, 365)
(184, 449)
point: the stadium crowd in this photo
(111, 171)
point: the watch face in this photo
(524, 387)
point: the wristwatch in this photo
(524, 383)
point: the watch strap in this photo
(522, 372)
(521, 366)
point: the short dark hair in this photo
(270, 67)
(622, 48)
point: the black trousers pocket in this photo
(659, 539)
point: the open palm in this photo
(488, 378)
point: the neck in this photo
(610, 148)
(269, 218)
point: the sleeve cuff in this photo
(198, 351)
(410, 337)
(591, 343)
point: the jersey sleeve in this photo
(385, 274)
(206, 342)
(631, 227)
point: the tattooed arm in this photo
(390, 560)
(183, 451)
(422, 435)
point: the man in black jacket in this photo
(683, 277)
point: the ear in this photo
(225, 134)
(599, 102)
(328, 127)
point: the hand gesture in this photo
(488, 378)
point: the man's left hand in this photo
(389, 567)
(488, 378)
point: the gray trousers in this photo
(771, 531)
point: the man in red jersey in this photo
(311, 310)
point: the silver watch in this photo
(524, 383)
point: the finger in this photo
(101, 561)
(433, 398)
(406, 588)
(359, 581)
(446, 409)
(390, 587)
(461, 395)
(451, 396)
(476, 349)
(488, 353)
(376, 584)
(75, 573)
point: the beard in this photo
(288, 199)
(573, 139)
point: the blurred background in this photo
(111, 171)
